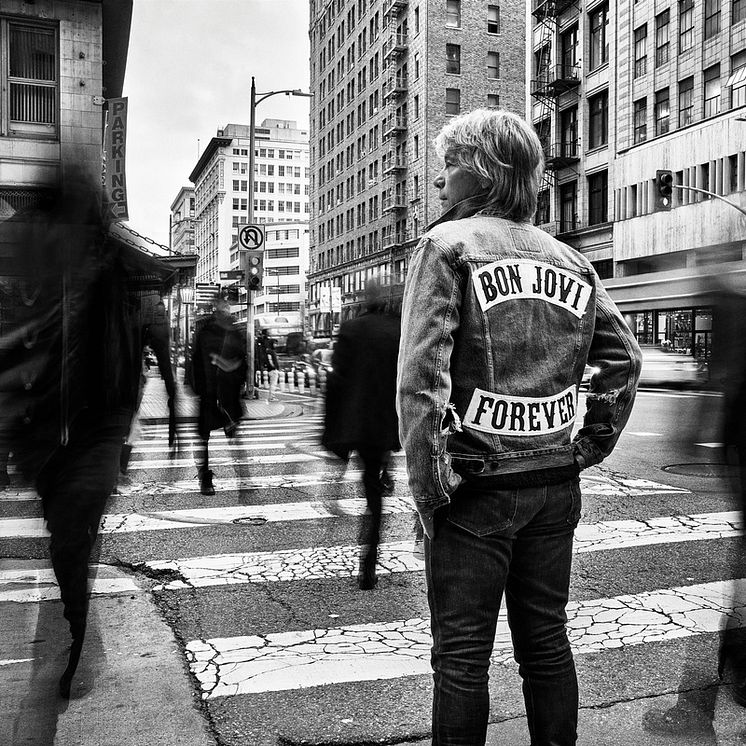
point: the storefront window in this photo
(702, 334)
(643, 327)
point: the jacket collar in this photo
(464, 209)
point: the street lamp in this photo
(256, 99)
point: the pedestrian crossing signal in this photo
(663, 190)
(253, 268)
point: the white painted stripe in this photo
(13, 661)
(709, 445)
(643, 435)
(32, 585)
(238, 514)
(33, 527)
(180, 463)
(375, 651)
(331, 562)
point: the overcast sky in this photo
(189, 71)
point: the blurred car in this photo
(671, 369)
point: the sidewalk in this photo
(154, 405)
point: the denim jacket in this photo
(498, 321)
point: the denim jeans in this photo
(489, 542)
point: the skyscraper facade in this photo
(386, 76)
(619, 92)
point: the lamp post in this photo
(256, 99)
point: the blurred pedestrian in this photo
(360, 411)
(157, 335)
(498, 322)
(218, 370)
(70, 367)
(273, 368)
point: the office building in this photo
(618, 92)
(281, 202)
(386, 75)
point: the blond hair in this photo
(501, 150)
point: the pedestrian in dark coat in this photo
(70, 361)
(218, 370)
(361, 413)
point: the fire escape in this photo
(551, 81)
(394, 125)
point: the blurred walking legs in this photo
(374, 461)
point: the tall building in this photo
(221, 189)
(619, 92)
(386, 75)
(182, 222)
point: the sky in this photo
(189, 69)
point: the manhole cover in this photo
(702, 470)
(250, 520)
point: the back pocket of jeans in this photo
(482, 512)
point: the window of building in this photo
(568, 206)
(661, 38)
(569, 50)
(598, 197)
(542, 207)
(640, 123)
(29, 80)
(493, 65)
(416, 65)
(416, 142)
(598, 114)
(568, 131)
(416, 21)
(712, 90)
(686, 101)
(686, 25)
(493, 101)
(453, 101)
(662, 112)
(416, 107)
(738, 11)
(598, 22)
(453, 13)
(641, 46)
(453, 59)
(493, 19)
(737, 79)
(712, 18)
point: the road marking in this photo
(709, 445)
(26, 585)
(12, 661)
(644, 435)
(385, 650)
(35, 584)
(316, 563)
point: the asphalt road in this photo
(258, 582)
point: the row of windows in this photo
(242, 185)
(268, 205)
(598, 200)
(453, 61)
(712, 100)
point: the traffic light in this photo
(663, 189)
(253, 268)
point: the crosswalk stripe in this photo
(336, 562)
(282, 661)
(316, 563)
(590, 484)
(32, 585)
(238, 514)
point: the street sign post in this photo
(251, 236)
(231, 274)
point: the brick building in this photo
(386, 75)
(619, 91)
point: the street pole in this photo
(250, 375)
(250, 212)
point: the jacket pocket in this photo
(483, 511)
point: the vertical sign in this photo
(114, 151)
(325, 302)
(336, 299)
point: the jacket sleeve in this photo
(198, 370)
(616, 353)
(430, 317)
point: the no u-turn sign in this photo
(251, 236)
